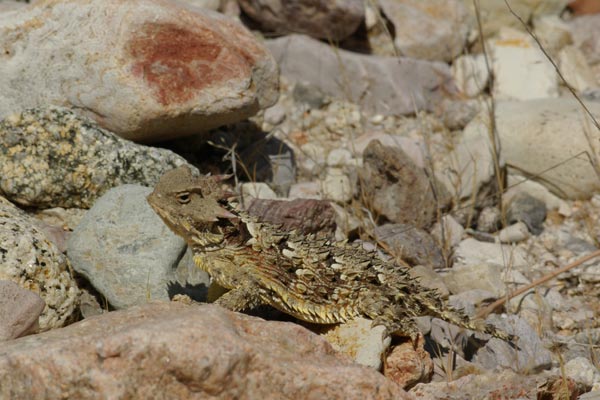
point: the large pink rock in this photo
(144, 69)
(175, 351)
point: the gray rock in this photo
(486, 277)
(323, 19)
(489, 219)
(428, 29)
(125, 250)
(529, 210)
(55, 158)
(308, 94)
(19, 310)
(448, 232)
(472, 252)
(531, 355)
(29, 259)
(396, 189)
(174, 70)
(581, 370)
(383, 85)
(586, 31)
(514, 233)
(411, 244)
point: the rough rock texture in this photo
(397, 189)
(585, 31)
(428, 29)
(19, 310)
(411, 244)
(323, 19)
(54, 158)
(34, 263)
(145, 69)
(170, 350)
(408, 365)
(533, 141)
(385, 85)
(127, 253)
(306, 215)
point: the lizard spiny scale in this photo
(308, 277)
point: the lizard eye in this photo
(183, 198)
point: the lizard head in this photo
(192, 206)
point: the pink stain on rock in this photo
(177, 62)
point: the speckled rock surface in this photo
(19, 310)
(30, 260)
(54, 158)
(145, 69)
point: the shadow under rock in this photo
(258, 156)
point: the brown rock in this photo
(144, 69)
(407, 365)
(306, 215)
(170, 350)
(411, 244)
(582, 7)
(322, 19)
(19, 310)
(396, 189)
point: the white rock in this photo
(582, 370)
(514, 233)
(448, 232)
(365, 343)
(339, 157)
(428, 29)
(521, 70)
(258, 190)
(470, 74)
(305, 190)
(337, 186)
(586, 30)
(548, 140)
(145, 69)
(486, 277)
(575, 69)
(473, 252)
(553, 33)
(208, 4)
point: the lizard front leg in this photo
(241, 298)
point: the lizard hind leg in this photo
(241, 298)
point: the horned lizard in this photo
(309, 277)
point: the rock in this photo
(471, 300)
(486, 277)
(552, 32)
(429, 279)
(514, 233)
(471, 163)
(429, 29)
(472, 252)
(125, 250)
(585, 31)
(470, 74)
(174, 70)
(364, 343)
(381, 85)
(531, 356)
(341, 158)
(582, 7)
(322, 19)
(411, 244)
(575, 69)
(521, 70)
(257, 190)
(489, 220)
(541, 125)
(34, 263)
(305, 190)
(456, 114)
(54, 158)
(581, 370)
(308, 94)
(208, 4)
(409, 364)
(194, 351)
(517, 184)
(275, 115)
(448, 232)
(529, 210)
(496, 15)
(337, 186)
(306, 215)
(19, 310)
(396, 189)
(413, 148)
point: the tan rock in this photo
(170, 350)
(407, 365)
(145, 69)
